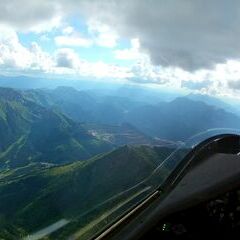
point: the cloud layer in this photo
(24, 15)
(188, 34)
(185, 44)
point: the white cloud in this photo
(13, 55)
(102, 34)
(47, 26)
(131, 53)
(67, 58)
(37, 15)
(183, 44)
(73, 40)
(223, 80)
(40, 60)
(68, 30)
(69, 62)
(191, 35)
(103, 70)
(44, 38)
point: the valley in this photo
(69, 155)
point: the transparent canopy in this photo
(121, 203)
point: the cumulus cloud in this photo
(73, 40)
(71, 37)
(191, 35)
(185, 44)
(102, 70)
(69, 62)
(67, 58)
(40, 60)
(68, 30)
(11, 51)
(13, 55)
(188, 34)
(98, 34)
(131, 53)
(235, 85)
(102, 34)
(27, 15)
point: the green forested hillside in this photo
(32, 133)
(43, 178)
(34, 200)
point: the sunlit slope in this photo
(35, 200)
(32, 133)
(123, 134)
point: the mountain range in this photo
(32, 133)
(176, 120)
(63, 125)
(72, 156)
(31, 201)
(181, 118)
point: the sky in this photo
(190, 45)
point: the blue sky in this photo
(91, 53)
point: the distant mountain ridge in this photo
(48, 125)
(181, 119)
(116, 111)
(175, 120)
(214, 101)
(29, 133)
(81, 106)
